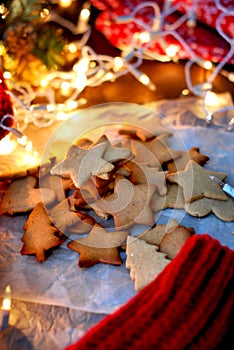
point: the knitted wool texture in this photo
(190, 305)
(5, 108)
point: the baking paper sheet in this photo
(103, 288)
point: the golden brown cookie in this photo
(144, 261)
(155, 152)
(113, 154)
(144, 174)
(174, 239)
(79, 164)
(156, 234)
(40, 236)
(180, 163)
(22, 196)
(64, 218)
(128, 204)
(100, 246)
(224, 210)
(196, 184)
(173, 199)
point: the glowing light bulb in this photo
(211, 99)
(6, 304)
(65, 88)
(71, 47)
(65, 3)
(207, 65)
(144, 37)
(84, 13)
(185, 92)
(44, 13)
(7, 75)
(171, 50)
(7, 145)
(118, 63)
(145, 80)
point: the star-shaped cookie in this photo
(155, 152)
(114, 153)
(196, 184)
(100, 246)
(81, 163)
(180, 163)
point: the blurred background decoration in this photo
(48, 55)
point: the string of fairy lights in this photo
(92, 69)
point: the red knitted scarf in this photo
(190, 305)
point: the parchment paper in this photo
(103, 288)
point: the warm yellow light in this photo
(71, 47)
(50, 108)
(7, 75)
(61, 116)
(44, 83)
(7, 145)
(171, 50)
(30, 159)
(145, 80)
(211, 99)
(28, 146)
(82, 65)
(144, 37)
(84, 14)
(92, 64)
(118, 63)
(23, 140)
(80, 82)
(207, 65)
(109, 76)
(6, 304)
(65, 88)
(185, 92)
(65, 3)
(44, 13)
(71, 105)
(2, 50)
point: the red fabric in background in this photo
(190, 305)
(204, 40)
(5, 107)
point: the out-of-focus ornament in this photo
(6, 109)
(31, 70)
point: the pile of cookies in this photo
(105, 187)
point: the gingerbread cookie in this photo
(196, 184)
(156, 234)
(155, 152)
(144, 261)
(174, 239)
(22, 196)
(40, 235)
(180, 163)
(100, 246)
(173, 199)
(224, 210)
(80, 164)
(128, 204)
